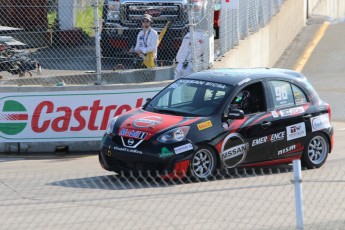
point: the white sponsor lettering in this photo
(320, 122)
(271, 138)
(128, 150)
(295, 131)
(244, 81)
(274, 114)
(291, 112)
(234, 151)
(286, 150)
(183, 148)
(259, 141)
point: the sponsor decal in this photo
(291, 149)
(204, 125)
(274, 114)
(146, 122)
(165, 153)
(130, 142)
(270, 138)
(64, 115)
(292, 111)
(295, 131)
(196, 82)
(13, 118)
(183, 148)
(133, 133)
(215, 85)
(234, 150)
(320, 122)
(244, 81)
(123, 149)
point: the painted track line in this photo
(303, 59)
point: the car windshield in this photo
(187, 97)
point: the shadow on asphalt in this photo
(121, 182)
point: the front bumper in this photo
(152, 158)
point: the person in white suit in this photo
(184, 54)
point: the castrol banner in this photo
(66, 115)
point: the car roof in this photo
(236, 76)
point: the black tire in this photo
(315, 151)
(203, 163)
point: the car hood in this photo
(149, 123)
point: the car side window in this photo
(250, 99)
(282, 94)
(300, 97)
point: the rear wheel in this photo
(203, 163)
(315, 151)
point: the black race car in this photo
(219, 119)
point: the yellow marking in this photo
(310, 48)
(109, 151)
(205, 125)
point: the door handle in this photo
(266, 124)
(307, 116)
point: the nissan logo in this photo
(130, 142)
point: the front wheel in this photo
(203, 163)
(316, 151)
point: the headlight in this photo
(113, 10)
(113, 15)
(174, 135)
(111, 124)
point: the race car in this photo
(219, 119)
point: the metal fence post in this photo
(298, 193)
(98, 45)
(191, 31)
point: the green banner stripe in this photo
(12, 128)
(13, 106)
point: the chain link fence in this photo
(82, 196)
(55, 42)
(248, 18)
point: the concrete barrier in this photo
(334, 9)
(264, 48)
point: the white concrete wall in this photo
(331, 8)
(264, 48)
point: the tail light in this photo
(329, 112)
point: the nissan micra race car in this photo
(221, 119)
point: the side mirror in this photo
(146, 102)
(236, 114)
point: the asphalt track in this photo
(73, 192)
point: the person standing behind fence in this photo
(147, 39)
(184, 54)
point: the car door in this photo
(247, 140)
(289, 109)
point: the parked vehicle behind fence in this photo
(121, 24)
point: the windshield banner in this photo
(66, 115)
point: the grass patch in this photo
(84, 20)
